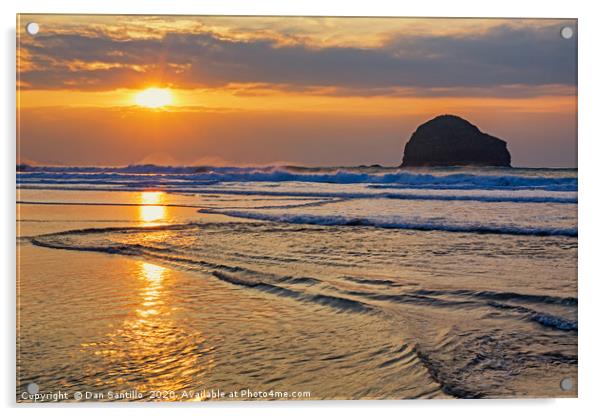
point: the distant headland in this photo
(449, 140)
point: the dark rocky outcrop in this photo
(449, 140)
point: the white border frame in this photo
(590, 149)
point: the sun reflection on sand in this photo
(151, 211)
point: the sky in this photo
(199, 90)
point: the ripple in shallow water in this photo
(401, 296)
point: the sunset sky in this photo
(307, 91)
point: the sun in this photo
(154, 97)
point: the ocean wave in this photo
(359, 297)
(507, 296)
(340, 196)
(395, 223)
(541, 318)
(140, 169)
(439, 371)
(327, 197)
(389, 178)
(235, 275)
(470, 299)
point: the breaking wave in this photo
(387, 178)
(395, 223)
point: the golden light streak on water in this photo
(152, 274)
(152, 342)
(151, 211)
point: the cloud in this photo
(524, 55)
(497, 91)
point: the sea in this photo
(310, 283)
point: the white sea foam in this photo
(398, 223)
(150, 175)
(519, 201)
